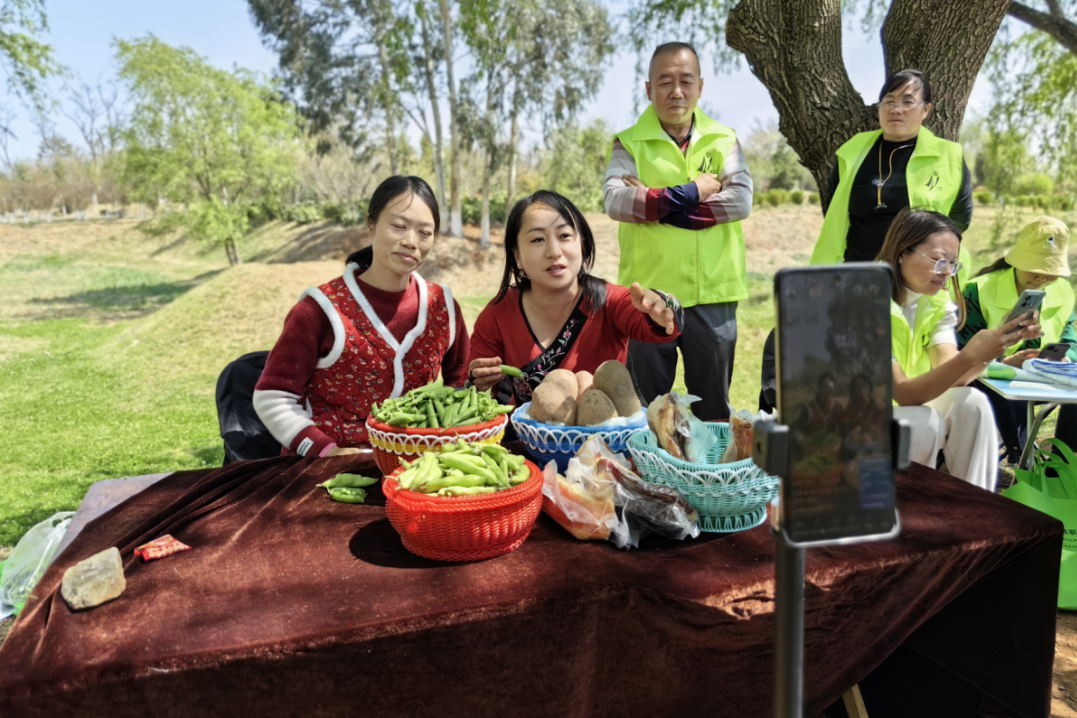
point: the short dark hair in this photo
(386, 192)
(904, 77)
(670, 47)
(594, 289)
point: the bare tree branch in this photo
(1054, 23)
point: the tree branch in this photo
(1054, 23)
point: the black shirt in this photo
(868, 225)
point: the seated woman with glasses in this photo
(1036, 261)
(902, 164)
(930, 373)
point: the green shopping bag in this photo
(1055, 496)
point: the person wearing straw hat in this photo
(1036, 261)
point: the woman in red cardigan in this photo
(551, 313)
(372, 334)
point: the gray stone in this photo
(94, 581)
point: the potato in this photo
(594, 408)
(613, 379)
(584, 380)
(564, 379)
(549, 403)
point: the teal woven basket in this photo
(728, 497)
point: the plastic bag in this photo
(580, 502)
(31, 557)
(677, 429)
(643, 507)
(741, 434)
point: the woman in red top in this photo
(372, 334)
(551, 313)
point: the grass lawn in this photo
(110, 350)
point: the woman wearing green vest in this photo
(930, 374)
(902, 164)
(1036, 261)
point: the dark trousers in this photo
(1011, 418)
(708, 344)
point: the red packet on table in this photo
(159, 548)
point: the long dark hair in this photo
(995, 266)
(594, 289)
(910, 229)
(903, 77)
(386, 192)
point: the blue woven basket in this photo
(728, 497)
(560, 443)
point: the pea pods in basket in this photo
(439, 407)
(464, 469)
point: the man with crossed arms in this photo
(679, 186)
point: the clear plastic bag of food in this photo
(31, 557)
(677, 429)
(741, 434)
(642, 507)
(580, 502)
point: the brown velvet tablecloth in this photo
(291, 604)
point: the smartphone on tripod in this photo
(835, 392)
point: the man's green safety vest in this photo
(998, 295)
(703, 266)
(933, 177)
(909, 344)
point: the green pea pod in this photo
(469, 491)
(348, 494)
(511, 371)
(354, 481)
(431, 416)
(501, 409)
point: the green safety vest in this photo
(909, 345)
(703, 266)
(998, 295)
(933, 177)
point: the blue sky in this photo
(81, 34)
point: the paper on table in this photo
(1040, 386)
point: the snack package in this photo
(678, 431)
(642, 507)
(579, 502)
(159, 548)
(741, 435)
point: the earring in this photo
(523, 274)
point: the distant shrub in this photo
(776, 197)
(305, 213)
(796, 196)
(759, 198)
(813, 198)
(1034, 183)
(471, 209)
(983, 196)
(1023, 200)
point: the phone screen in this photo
(834, 393)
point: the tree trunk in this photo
(795, 51)
(456, 221)
(232, 252)
(514, 139)
(484, 241)
(386, 92)
(1053, 22)
(439, 155)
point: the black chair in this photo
(245, 436)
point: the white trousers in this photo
(962, 425)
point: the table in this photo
(292, 604)
(1053, 395)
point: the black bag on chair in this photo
(245, 436)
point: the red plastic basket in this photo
(393, 444)
(464, 528)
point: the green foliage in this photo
(776, 197)
(773, 163)
(471, 209)
(983, 197)
(796, 196)
(577, 164)
(1034, 183)
(27, 60)
(220, 141)
(1034, 82)
(813, 198)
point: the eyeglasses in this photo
(903, 105)
(941, 265)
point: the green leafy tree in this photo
(223, 143)
(576, 164)
(27, 61)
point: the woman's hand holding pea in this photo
(651, 304)
(485, 373)
(988, 344)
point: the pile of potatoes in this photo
(581, 399)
